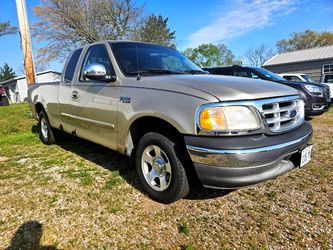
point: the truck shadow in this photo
(113, 161)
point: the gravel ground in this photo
(78, 195)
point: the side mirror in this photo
(96, 71)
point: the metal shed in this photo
(17, 88)
(309, 61)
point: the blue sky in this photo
(239, 24)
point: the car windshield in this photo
(150, 59)
(269, 75)
(308, 78)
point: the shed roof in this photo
(21, 77)
(305, 55)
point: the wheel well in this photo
(150, 124)
(39, 108)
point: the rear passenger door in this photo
(95, 102)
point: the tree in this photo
(210, 55)
(257, 56)
(65, 25)
(155, 30)
(6, 72)
(7, 29)
(305, 40)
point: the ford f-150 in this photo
(152, 103)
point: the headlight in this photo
(228, 119)
(313, 89)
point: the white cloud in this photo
(243, 17)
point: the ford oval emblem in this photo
(292, 113)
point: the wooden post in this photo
(26, 41)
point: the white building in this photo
(17, 88)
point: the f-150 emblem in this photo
(125, 99)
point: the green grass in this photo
(86, 196)
(184, 228)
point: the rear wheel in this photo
(46, 134)
(160, 170)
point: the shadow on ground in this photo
(113, 161)
(28, 237)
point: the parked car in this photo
(328, 80)
(297, 77)
(152, 103)
(316, 96)
(3, 98)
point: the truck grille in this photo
(283, 113)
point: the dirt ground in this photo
(78, 195)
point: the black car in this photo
(316, 96)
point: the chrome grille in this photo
(283, 114)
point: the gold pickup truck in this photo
(152, 103)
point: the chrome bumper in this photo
(245, 157)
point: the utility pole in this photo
(26, 41)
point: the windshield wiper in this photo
(195, 71)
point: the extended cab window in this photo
(97, 54)
(72, 65)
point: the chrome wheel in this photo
(156, 168)
(43, 127)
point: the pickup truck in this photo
(152, 103)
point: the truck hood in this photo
(224, 88)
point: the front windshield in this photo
(269, 75)
(139, 58)
(308, 78)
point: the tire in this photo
(46, 134)
(160, 170)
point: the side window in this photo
(97, 54)
(295, 79)
(223, 71)
(287, 77)
(253, 75)
(242, 73)
(69, 73)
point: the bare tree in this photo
(7, 29)
(258, 56)
(65, 25)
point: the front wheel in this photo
(160, 170)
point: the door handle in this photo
(75, 94)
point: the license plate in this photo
(306, 156)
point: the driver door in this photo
(95, 102)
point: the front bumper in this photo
(250, 162)
(316, 105)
